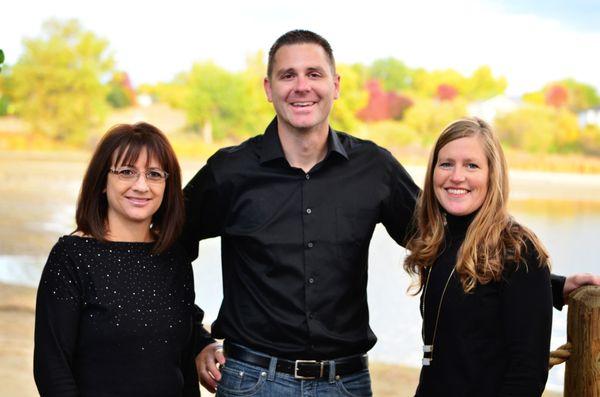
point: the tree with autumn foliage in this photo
(448, 84)
(590, 140)
(568, 93)
(446, 92)
(540, 129)
(428, 117)
(482, 85)
(122, 93)
(383, 105)
(556, 96)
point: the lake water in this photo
(38, 194)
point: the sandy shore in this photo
(17, 305)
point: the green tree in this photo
(216, 104)
(5, 88)
(57, 82)
(392, 73)
(353, 97)
(258, 112)
(581, 96)
(219, 103)
(173, 93)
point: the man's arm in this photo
(558, 283)
(205, 210)
(563, 286)
(399, 207)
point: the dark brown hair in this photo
(299, 37)
(123, 144)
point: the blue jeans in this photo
(242, 379)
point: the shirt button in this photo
(308, 210)
(310, 245)
(307, 176)
(310, 315)
(311, 280)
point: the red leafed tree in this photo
(383, 105)
(446, 92)
(557, 96)
(398, 104)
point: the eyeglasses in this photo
(130, 174)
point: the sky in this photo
(530, 42)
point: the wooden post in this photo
(582, 374)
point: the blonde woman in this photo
(486, 296)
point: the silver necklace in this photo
(428, 349)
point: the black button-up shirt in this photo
(295, 244)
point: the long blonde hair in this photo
(492, 236)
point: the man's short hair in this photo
(299, 36)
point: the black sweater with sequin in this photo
(494, 341)
(113, 319)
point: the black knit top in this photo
(493, 341)
(113, 319)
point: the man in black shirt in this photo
(296, 209)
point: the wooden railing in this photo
(582, 374)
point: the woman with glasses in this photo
(115, 313)
(486, 296)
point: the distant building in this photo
(589, 116)
(144, 100)
(490, 108)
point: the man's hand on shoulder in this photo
(207, 365)
(575, 281)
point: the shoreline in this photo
(17, 308)
(542, 185)
(524, 184)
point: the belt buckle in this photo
(296, 376)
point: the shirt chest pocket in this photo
(355, 226)
(248, 215)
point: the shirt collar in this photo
(271, 145)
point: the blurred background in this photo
(70, 70)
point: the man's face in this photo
(302, 86)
